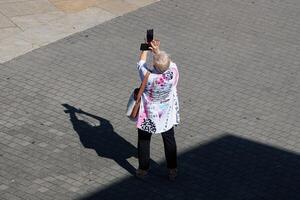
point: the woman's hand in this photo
(155, 46)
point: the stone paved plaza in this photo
(239, 138)
(29, 24)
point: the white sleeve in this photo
(142, 67)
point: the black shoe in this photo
(173, 173)
(141, 173)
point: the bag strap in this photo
(142, 87)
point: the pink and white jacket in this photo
(159, 108)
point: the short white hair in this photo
(161, 61)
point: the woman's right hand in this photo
(155, 46)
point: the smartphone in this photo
(149, 35)
(144, 47)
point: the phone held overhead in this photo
(145, 46)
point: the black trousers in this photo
(144, 149)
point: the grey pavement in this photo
(239, 94)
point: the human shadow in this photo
(103, 139)
(227, 168)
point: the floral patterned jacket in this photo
(159, 108)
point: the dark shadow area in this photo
(103, 139)
(228, 168)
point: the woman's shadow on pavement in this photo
(103, 139)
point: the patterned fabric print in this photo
(168, 75)
(142, 114)
(167, 121)
(148, 125)
(159, 109)
(176, 108)
(159, 92)
(161, 88)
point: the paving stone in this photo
(117, 7)
(3, 187)
(5, 22)
(141, 2)
(73, 6)
(31, 21)
(26, 7)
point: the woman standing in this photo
(159, 109)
